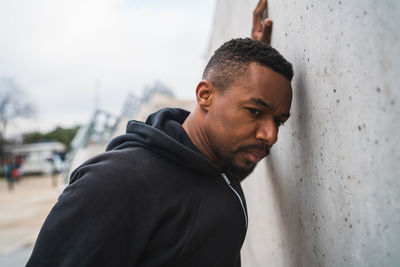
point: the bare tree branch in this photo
(13, 103)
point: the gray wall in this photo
(329, 194)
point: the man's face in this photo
(243, 121)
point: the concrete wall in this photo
(329, 194)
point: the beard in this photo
(233, 169)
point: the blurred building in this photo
(37, 158)
(93, 138)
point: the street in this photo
(22, 213)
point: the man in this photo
(167, 193)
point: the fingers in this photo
(257, 16)
(268, 23)
(260, 31)
(266, 32)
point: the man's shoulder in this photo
(120, 165)
(130, 173)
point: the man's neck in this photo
(195, 131)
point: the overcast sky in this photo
(60, 51)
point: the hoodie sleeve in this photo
(103, 218)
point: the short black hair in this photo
(231, 60)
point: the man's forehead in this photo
(262, 79)
(259, 102)
(258, 70)
(264, 88)
(264, 104)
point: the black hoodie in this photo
(151, 199)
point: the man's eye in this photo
(254, 111)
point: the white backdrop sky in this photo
(60, 51)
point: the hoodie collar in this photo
(163, 133)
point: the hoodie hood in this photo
(163, 133)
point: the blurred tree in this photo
(63, 135)
(12, 105)
(32, 137)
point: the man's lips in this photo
(255, 155)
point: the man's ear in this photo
(205, 92)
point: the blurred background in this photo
(67, 58)
(72, 73)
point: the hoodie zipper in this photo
(237, 194)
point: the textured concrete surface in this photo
(329, 193)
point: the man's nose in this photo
(268, 132)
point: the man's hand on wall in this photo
(261, 31)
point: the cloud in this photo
(57, 50)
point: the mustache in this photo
(260, 147)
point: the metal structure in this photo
(93, 137)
